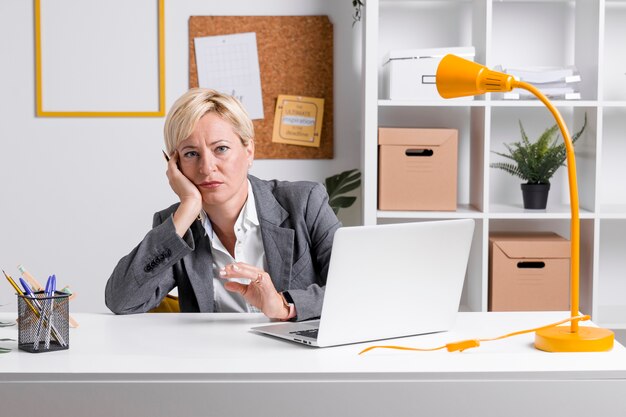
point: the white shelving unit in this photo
(586, 33)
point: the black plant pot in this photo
(535, 196)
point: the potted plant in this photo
(536, 162)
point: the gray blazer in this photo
(297, 228)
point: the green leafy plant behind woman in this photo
(339, 184)
(536, 162)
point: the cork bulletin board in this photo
(295, 58)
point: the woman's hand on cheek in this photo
(182, 186)
(260, 292)
(187, 192)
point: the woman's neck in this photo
(223, 218)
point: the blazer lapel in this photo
(277, 241)
(199, 267)
(278, 244)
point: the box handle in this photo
(429, 79)
(418, 152)
(531, 265)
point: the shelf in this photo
(537, 103)
(432, 103)
(492, 103)
(391, 2)
(464, 211)
(614, 104)
(613, 211)
(505, 211)
(496, 211)
(534, 1)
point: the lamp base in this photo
(561, 339)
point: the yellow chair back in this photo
(168, 305)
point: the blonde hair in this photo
(195, 103)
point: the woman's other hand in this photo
(187, 192)
(260, 292)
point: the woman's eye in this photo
(190, 154)
(221, 149)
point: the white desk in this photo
(211, 365)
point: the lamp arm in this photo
(573, 194)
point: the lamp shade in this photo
(458, 77)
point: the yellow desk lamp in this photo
(457, 77)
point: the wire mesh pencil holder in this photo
(43, 322)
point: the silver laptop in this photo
(388, 281)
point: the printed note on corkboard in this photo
(295, 58)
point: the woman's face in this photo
(216, 161)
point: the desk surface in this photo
(212, 365)
(220, 346)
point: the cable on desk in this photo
(462, 345)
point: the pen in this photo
(50, 293)
(40, 324)
(29, 293)
(167, 158)
(27, 289)
(46, 313)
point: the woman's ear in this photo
(250, 152)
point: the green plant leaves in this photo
(341, 202)
(3, 349)
(339, 184)
(536, 162)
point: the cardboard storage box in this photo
(409, 74)
(417, 169)
(528, 271)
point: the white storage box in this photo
(409, 74)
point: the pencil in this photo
(20, 292)
(34, 284)
(167, 158)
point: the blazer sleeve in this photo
(321, 223)
(143, 278)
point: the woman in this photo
(234, 243)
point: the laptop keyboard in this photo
(311, 333)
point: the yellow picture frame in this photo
(40, 112)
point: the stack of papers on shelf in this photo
(555, 82)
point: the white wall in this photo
(78, 194)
